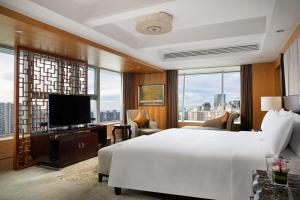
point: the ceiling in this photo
(20, 30)
(197, 25)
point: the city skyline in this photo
(196, 94)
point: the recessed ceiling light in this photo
(19, 31)
(280, 31)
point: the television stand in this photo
(60, 148)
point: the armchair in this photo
(152, 127)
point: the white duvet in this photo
(197, 163)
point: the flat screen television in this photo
(67, 110)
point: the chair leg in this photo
(100, 177)
(118, 191)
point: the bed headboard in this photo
(292, 103)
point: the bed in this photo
(196, 163)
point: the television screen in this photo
(66, 110)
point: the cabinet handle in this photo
(80, 145)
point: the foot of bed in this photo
(118, 191)
(100, 176)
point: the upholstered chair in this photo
(230, 122)
(152, 126)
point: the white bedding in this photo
(197, 163)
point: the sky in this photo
(110, 87)
(201, 88)
(6, 77)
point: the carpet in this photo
(75, 182)
(85, 172)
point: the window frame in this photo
(97, 93)
(182, 106)
(121, 96)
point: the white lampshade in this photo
(268, 103)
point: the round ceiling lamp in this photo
(154, 24)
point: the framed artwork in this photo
(151, 95)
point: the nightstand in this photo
(263, 189)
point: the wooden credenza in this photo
(62, 148)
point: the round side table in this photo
(125, 129)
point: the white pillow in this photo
(295, 137)
(285, 113)
(277, 129)
(267, 119)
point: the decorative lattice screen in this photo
(38, 75)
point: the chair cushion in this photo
(219, 122)
(148, 131)
(141, 120)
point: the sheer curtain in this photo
(292, 69)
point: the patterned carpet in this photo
(85, 172)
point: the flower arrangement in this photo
(280, 171)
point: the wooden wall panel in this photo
(6, 154)
(263, 80)
(157, 113)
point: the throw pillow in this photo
(219, 122)
(141, 120)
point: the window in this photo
(92, 85)
(208, 93)
(91, 81)
(110, 96)
(6, 91)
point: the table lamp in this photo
(271, 102)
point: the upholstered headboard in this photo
(292, 103)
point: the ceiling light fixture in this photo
(154, 24)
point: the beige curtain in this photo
(128, 93)
(172, 98)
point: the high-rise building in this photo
(206, 106)
(2, 119)
(219, 100)
(6, 118)
(109, 115)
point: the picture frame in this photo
(151, 95)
